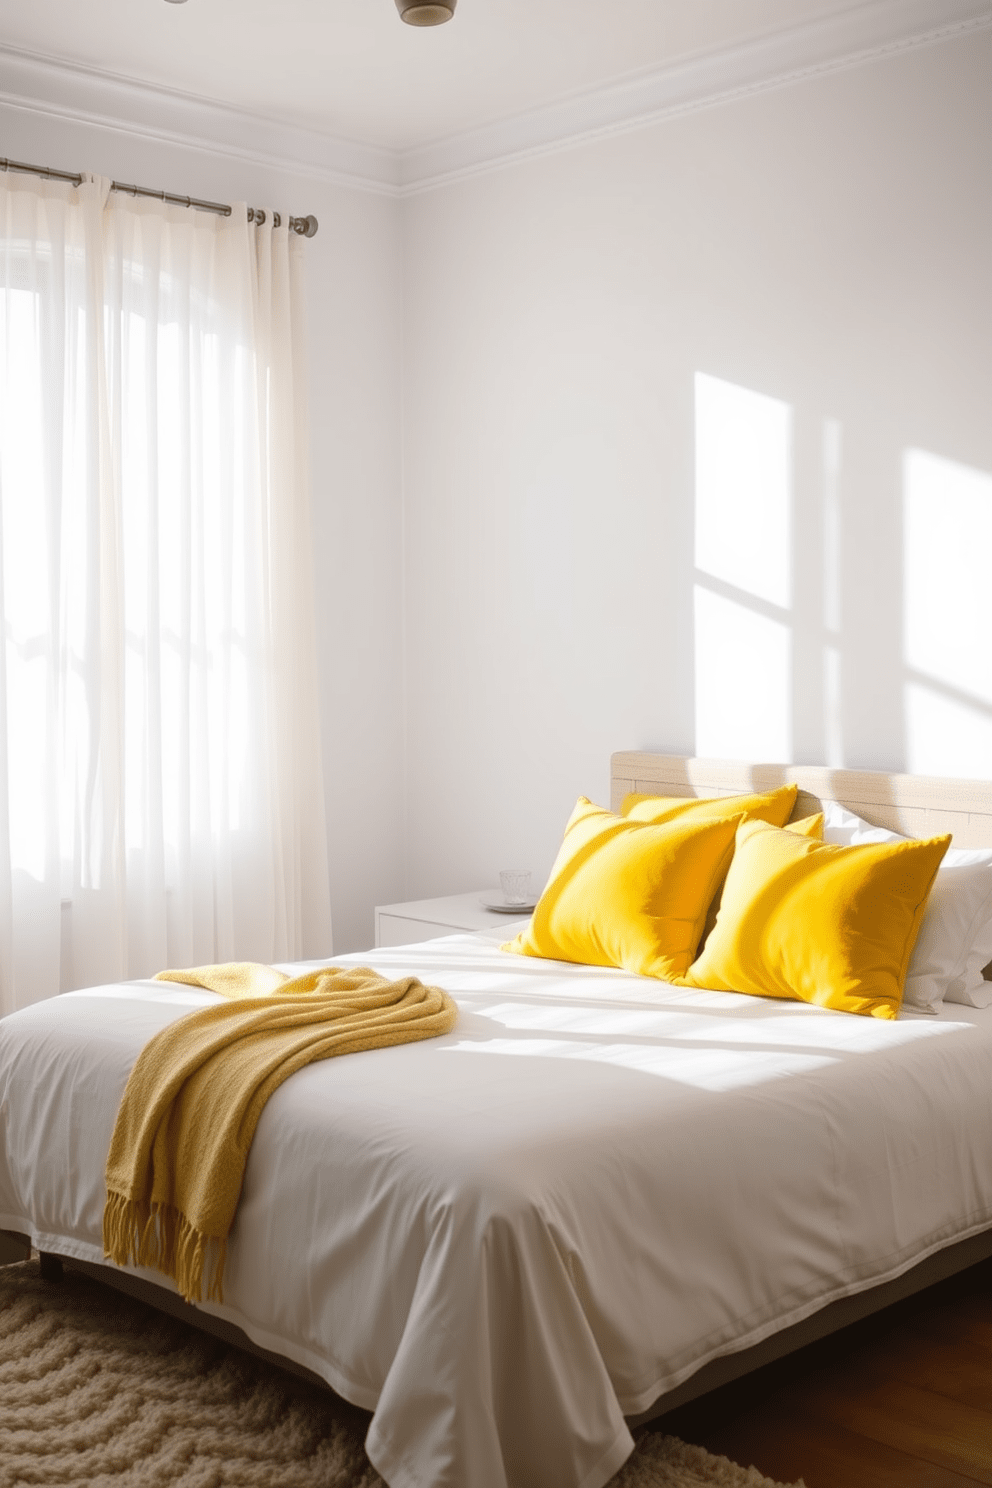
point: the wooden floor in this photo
(901, 1400)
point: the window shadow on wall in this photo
(742, 579)
(947, 616)
(778, 594)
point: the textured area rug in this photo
(99, 1390)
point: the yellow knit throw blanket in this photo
(193, 1099)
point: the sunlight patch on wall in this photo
(743, 455)
(743, 588)
(833, 732)
(742, 681)
(946, 737)
(947, 624)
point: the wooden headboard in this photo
(915, 805)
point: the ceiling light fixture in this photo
(417, 13)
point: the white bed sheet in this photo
(504, 1240)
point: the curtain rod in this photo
(305, 226)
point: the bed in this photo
(595, 1198)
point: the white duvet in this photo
(505, 1240)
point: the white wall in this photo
(573, 325)
(354, 345)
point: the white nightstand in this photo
(423, 919)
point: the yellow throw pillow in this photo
(819, 923)
(773, 806)
(627, 893)
(808, 826)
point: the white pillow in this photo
(955, 939)
(843, 827)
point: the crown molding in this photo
(85, 95)
(863, 33)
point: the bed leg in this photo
(51, 1266)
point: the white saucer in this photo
(500, 905)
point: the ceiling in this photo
(351, 69)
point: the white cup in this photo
(515, 883)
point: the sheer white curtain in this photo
(161, 800)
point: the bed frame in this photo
(918, 806)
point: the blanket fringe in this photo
(160, 1237)
(164, 1179)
